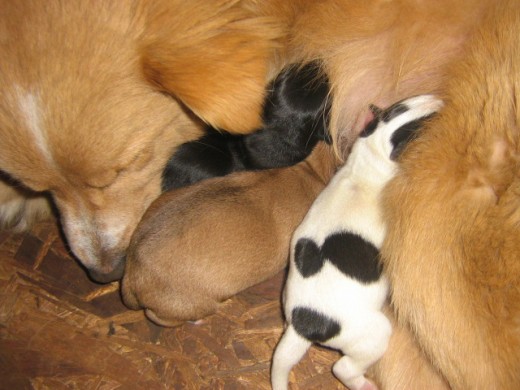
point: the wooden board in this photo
(59, 330)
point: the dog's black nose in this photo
(107, 277)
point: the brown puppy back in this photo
(198, 246)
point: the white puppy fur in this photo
(335, 288)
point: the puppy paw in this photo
(368, 385)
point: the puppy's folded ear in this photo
(213, 56)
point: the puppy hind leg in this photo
(352, 375)
(372, 343)
(289, 351)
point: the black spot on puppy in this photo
(371, 126)
(393, 111)
(402, 136)
(307, 257)
(314, 326)
(353, 256)
(382, 115)
(350, 253)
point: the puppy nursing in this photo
(294, 119)
(335, 289)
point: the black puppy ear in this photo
(371, 126)
(375, 110)
(405, 134)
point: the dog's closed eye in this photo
(104, 179)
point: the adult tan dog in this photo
(452, 251)
(95, 97)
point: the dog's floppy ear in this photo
(214, 56)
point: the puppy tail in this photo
(288, 353)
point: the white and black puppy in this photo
(335, 288)
(295, 116)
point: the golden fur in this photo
(74, 100)
(379, 52)
(88, 114)
(451, 304)
(452, 252)
(404, 366)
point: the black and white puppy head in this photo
(393, 128)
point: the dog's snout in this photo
(115, 273)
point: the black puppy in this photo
(295, 118)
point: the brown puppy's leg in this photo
(200, 245)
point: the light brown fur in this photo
(84, 115)
(404, 366)
(379, 52)
(452, 252)
(89, 85)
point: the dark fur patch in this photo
(314, 326)
(370, 128)
(214, 154)
(307, 257)
(382, 115)
(350, 253)
(295, 119)
(393, 111)
(353, 256)
(406, 133)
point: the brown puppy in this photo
(199, 245)
(453, 248)
(84, 116)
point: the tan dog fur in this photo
(213, 60)
(84, 116)
(179, 254)
(79, 112)
(453, 250)
(404, 366)
(449, 309)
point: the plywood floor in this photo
(58, 330)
